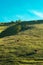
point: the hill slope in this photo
(22, 43)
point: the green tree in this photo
(12, 21)
(18, 21)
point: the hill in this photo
(21, 43)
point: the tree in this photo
(18, 21)
(12, 21)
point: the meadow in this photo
(21, 43)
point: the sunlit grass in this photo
(20, 49)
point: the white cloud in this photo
(24, 17)
(39, 14)
(20, 16)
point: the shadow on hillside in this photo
(15, 29)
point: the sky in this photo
(12, 10)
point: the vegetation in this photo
(21, 43)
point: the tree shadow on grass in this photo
(15, 29)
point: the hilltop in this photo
(14, 28)
(21, 43)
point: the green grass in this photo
(23, 48)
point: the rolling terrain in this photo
(21, 43)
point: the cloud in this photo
(24, 17)
(37, 13)
(20, 16)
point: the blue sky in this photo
(20, 9)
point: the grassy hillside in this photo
(21, 43)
